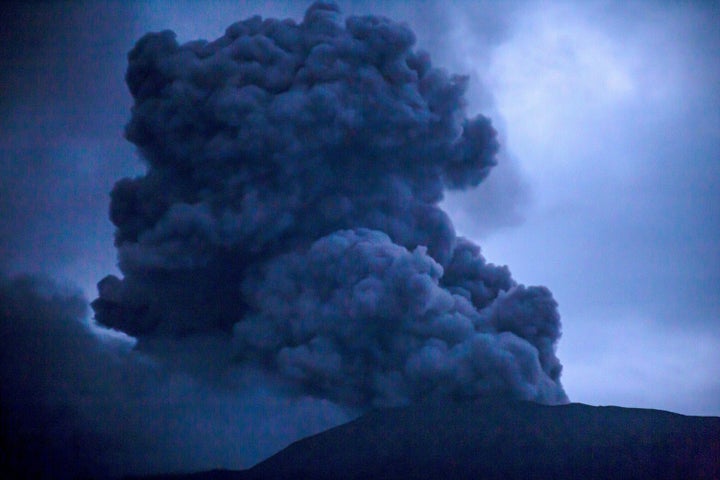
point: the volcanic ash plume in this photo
(290, 206)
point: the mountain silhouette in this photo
(498, 439)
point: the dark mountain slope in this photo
(501, 440)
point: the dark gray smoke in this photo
(55, 376)
(76, 403)
(290, 207)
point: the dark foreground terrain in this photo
(499, 440)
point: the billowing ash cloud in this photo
(290, 205)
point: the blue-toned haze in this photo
(605, 192)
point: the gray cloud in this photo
(84, 401)
(81, 403)
(214, 256)
(280, 151)
(623, 168)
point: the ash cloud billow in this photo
(290, 210)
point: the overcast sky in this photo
(607, 191)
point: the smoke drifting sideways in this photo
(289, 212)
(78, 403)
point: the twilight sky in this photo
(607, 193)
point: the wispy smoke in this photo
(291, 204)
